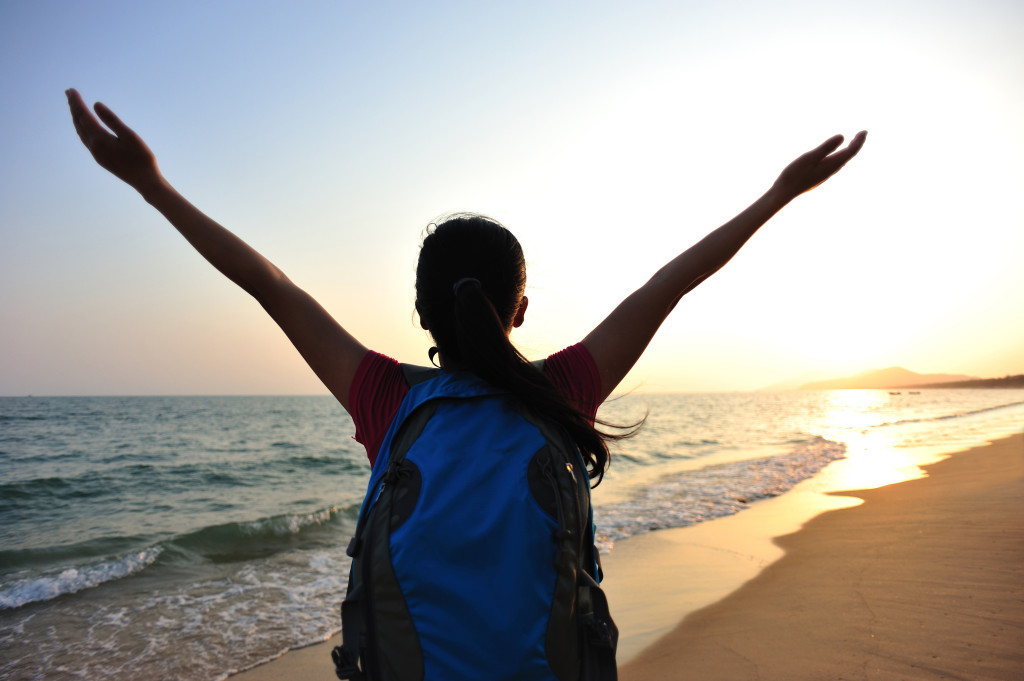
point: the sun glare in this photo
(854, 409)
(875, 456)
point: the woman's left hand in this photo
(816, 166)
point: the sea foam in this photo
(691, 497)
(73, 579)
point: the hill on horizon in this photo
(797, 382)
(893, 377)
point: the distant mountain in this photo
(796, 383)
(893, 377)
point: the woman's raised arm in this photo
(617, 342)
(331, 352)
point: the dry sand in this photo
(925, 580)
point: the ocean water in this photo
(190, 537)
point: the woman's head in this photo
(468, 248)
(469, 294)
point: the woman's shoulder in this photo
(380, 385)
(574, 373)
(378, 389)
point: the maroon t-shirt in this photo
(379, 387)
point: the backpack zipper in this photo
(563, 533)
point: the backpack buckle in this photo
(346, 665)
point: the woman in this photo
(469, 295)
(337, 358)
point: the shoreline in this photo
(671, 626)
(924, 580)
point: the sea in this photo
(193, 537)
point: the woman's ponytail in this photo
(469, 287)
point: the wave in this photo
(239, 541)
(28, 494)
(74, 579)
(70, 554)
(24, 417)
(26, 489)
(228, 542)
(695, 496)
(118, 472)
(949, 417)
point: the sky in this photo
(608, 136)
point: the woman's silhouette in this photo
(470, 283)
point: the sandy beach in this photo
(923, 580)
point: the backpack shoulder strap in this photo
(414, 375)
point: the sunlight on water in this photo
(873, 457)
(888, 439)
(854, 408)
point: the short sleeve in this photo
(379, 387)
(377, 391)
(574, 373)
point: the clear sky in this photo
(608, 136)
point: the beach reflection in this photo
(878, 452)
(874, 460)
(847, 409)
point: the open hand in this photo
(817, 165)
(123, 153)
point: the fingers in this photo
(112, 121)
(74, 99)
(857, 142)
(826, 147)
(818, 164)
(841, 157)
(88, 128)
(86, 125)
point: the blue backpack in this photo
(473, 557)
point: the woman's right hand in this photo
(332, 353)
(123, 153)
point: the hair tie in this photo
(465, 280)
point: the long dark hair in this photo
(469, 284)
